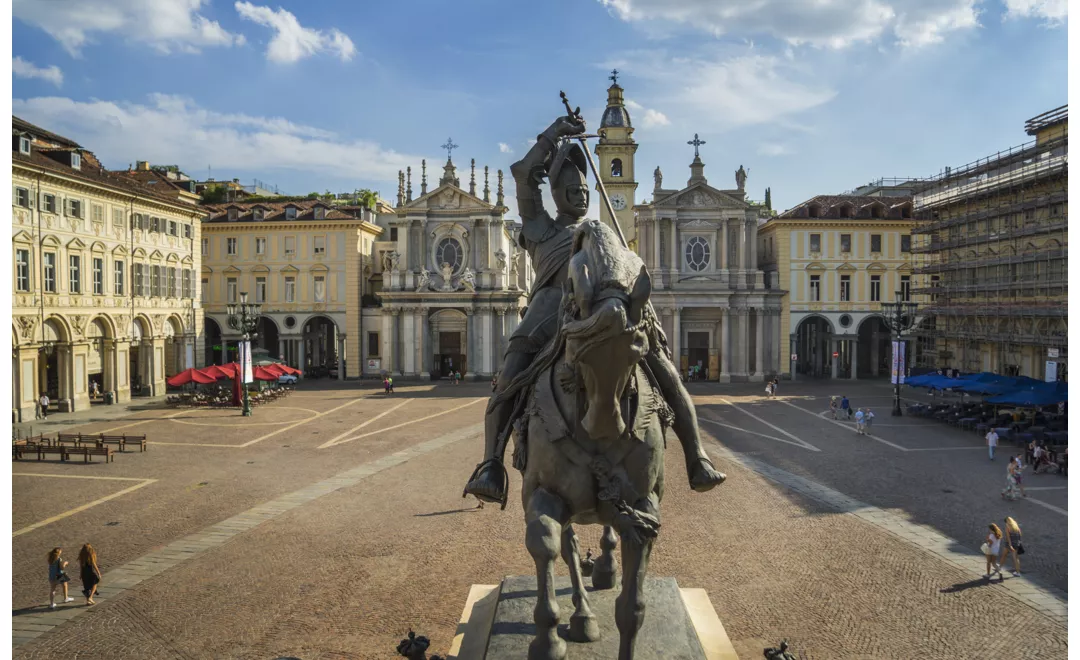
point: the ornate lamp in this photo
(899, 318)
(244, 318)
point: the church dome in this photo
(615, 115)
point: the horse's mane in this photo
(612, 264)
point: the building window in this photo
(260, 245)
(905, 243)
(172, 291)
(320, 213)
(230, 246)
(24, 145)
(905, 288)
(290, 289)
(320, 244)
(136, 279)
(616, 167)
(260, 289)
(205, 242)
(50, 203)
(99, 276)
(290, 245)
(233, 214)
(875, 288)
(155, 281)
(76, 161)
(97, 213)
(173, 229)
(449, 252)
(935, 281)
(204, 294)
(230, 290)
(155, 224)
(186, 293)
(117, 216)
(845, 288)
(815, 288)
(393, 233)
(22, 197)
(290, 213)
(187, 230)
(845, 242)
(50, 272)
(815, 242)
(875, 242)
(118, 277)
(320, 288)
(373, 344)
(22, 270)
(257, 214)
(74, 274)
(697, 253)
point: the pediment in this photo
(260, 269)
(97, 246)
(701, 195)
(448, 197)
(904, 268)
(76, 244)
(172, 258)
(22, 237)
(231, 270)
(156, 255)
(877, 267)
(698, 224)
(318, 268)
(815, 265)
(139, 253)
(290, 269)
(119, 249)
(846, 267)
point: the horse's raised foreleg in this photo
(603, 574)
(583, 626)
(545, 518)
(630, 604)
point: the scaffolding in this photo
(991, 255)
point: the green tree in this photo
(213, 195)
(365, 197)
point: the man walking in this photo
(859, 428)
(991, 441)
(44, 403)
(845, 407)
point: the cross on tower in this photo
(697, 143)
(449, 146)
(614, 77)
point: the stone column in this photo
(725, 345)
(792, 365)
(724, 248)
(674, 265)
(387, 339)
(341, 357)
(875, 357)
(418, 343)
(759, 347)
(835, 361)
(744, 342)
(676, 337)
(470, 343)
(854, 346)
(408, 331)
(504, 337)
(302, 354)
(224, 352)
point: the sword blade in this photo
(603, 191)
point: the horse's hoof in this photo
(584, 628)
(603, 579)
(547, 647)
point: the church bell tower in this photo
(615, 151)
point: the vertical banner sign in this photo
(245, 361)
(899, 365)
(1051, 371)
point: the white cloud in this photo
(830, 24)
(773, 149)
(293, 42)
(164, 25)
(654, 118)
(172, 129)
(504, 148)
(23, 69)
(1054, 11)
(737, 91)
(634, 105)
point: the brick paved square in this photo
(334, 537)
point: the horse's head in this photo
(605, 338)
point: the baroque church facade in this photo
(452, 281)
(721, 317)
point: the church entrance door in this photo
(449, 357)
(698, 349)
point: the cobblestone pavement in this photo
(278, 547)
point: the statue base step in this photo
(680, 624)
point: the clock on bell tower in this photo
(615, 151)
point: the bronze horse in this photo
(590, 443)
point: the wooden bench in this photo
(42, 450)
(87, 452)
(72, 439)
(135, 439)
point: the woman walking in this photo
(1014, 545)
(1009, 492)
(992, 550)
(89, 572)
(57, 577)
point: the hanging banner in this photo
(1051, 371)
(245, 361)
(898, 362)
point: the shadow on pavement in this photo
(970, 584)
(443, 513)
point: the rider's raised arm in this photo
(529, 173)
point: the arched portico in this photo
(449, 341)
(321, 347)
(813, 338)
(873, 350)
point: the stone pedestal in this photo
(680, 624)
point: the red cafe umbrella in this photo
(188, 376)
(290, 370)
(261, 373)
(274, 368)
(220, 371)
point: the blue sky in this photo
(812, 98)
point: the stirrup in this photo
(505, 480)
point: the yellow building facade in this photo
(306, 263)
(104, 279)
(839, 258)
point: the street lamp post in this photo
(899, 318)
(244, 318)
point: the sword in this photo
(576, 114)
